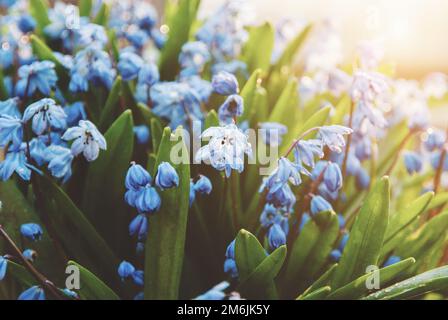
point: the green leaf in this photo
(156, 133)
(104, 189)
(319, 294)
(77, 235)
(264, 274)
(91, 287)
(433, 280)
(3, 91)
(248, 94)
(288, 101)
(261, 37)
(110, 110)
(310, 252)
(319, 283)
(366, 236)
(102, 16)
(286, 59)
(249, 253)
(85, 7)
(21, 274)
(113, 44)
(43, 52)
(39, 11)
(358, 288)
(211, 120)
(440, 199)
(165, 244)
(179, 25)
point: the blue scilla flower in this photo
(137, 177)
(11, 130)
(319, 204)
(335, 255)
(226, 148)
(159, 38)
(229, 263)
(129, 65)
(203, 88)
(138, 276)
(26, 23)
(75, 112)
(391, 260)
(125, 270)
(33, 293)
(215, 293)
(192, 195)
(7, 51)
(435, 159)
(137, 37)
(46, 114)
(3, 267)
(327, 194)
(333, 136)
(435, 140)
(37, 76)
(305, 151)
(413, 162)
(7, 3)
(31, 231)
(87, 140)
(92, 34)
(343, 241)
(193, 57)
(272, 133)
(91, 64)
(146, 16)
(148, 74)
(231, 108)
(285, 171)
(362, 147)
(318, 169)
(30, 255)
(202, 184)
(16, 161)
(147, 200)
(276, 237)
(269, 216)
(225, 83)
(70, 293)
(142, 134)
(10, 108)
(139, 226)
(166, 176)
(59, 161)
(283, 197)
(333, 177)
(176, 102)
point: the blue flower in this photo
(46, 114)
(148, 74)
(283, 197)
(70, 294)
(60, 161)
(225, 83)
(203, 88)
(176, 102)
(39, 75)
(3, 267)
(142, 134)
(11, 130)
(15, 161)
(391, 260)
(435, 140)
(30, 254)
(31, 231)
(33, 293)
(10, 108)
(226, 148)
(231, 108)
(215, 293)
(26, 23)
(129, 65)
(125, 270)
(413, 162)
(88, 140)
(192, 195)
(335, 255)
(138, 38)
(166, 176)
(193, 57)
(138, 277)
(319, 204)
(306, 150)
(203, 185)
(343, 241)
(276, 237)
(234, 67)
(333, 177)
(230, 264)
(75, 112)
(147, 200)
(139, 226)
(286, 171)
(137, 177)
(272, 133)
(435, 161)
(92, 35)
(58, 28)
(333, 136)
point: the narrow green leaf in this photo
(439, 200)
(259, 37)
(211, 120)
(43, 52)
(249, 253)
(104, 189)
(319, 283)
(91, 287)
(39, 11)
(248, 94)
(21, 274)
(319, 294)
(85, 7)
(433, 280)
(357, 288)
(366, 236)
(102, 16)
(110, 110)
(156, 133)
(3, 91)
(165, 244)
(288, 101)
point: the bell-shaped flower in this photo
(139, 226)
(37, 76)
(166, 176)
(137, 177)
(319, 204)
(276, 237)
(333, 177)
(31, 231)
(333, 136)
(46, 114)
(129, 65)
(59, 161)
(413, 162)
(225, 83)
(125, 270)
(33, 293)
(11, 130)
(202, 184)
(232, 108)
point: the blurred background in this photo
(413, 32)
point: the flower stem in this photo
(397, 154)
(295, 142)
(47, 284)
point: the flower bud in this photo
(139, 226)
(276, 237)
(413, 162)
(137, 177)
(148, 200)
(166, 176)
(33, 293)
(31, 231)
(231, 108)
(125, 270)
(333, 177)
(203, 185)
(319, 204)
(142, 134)
(225, 83)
